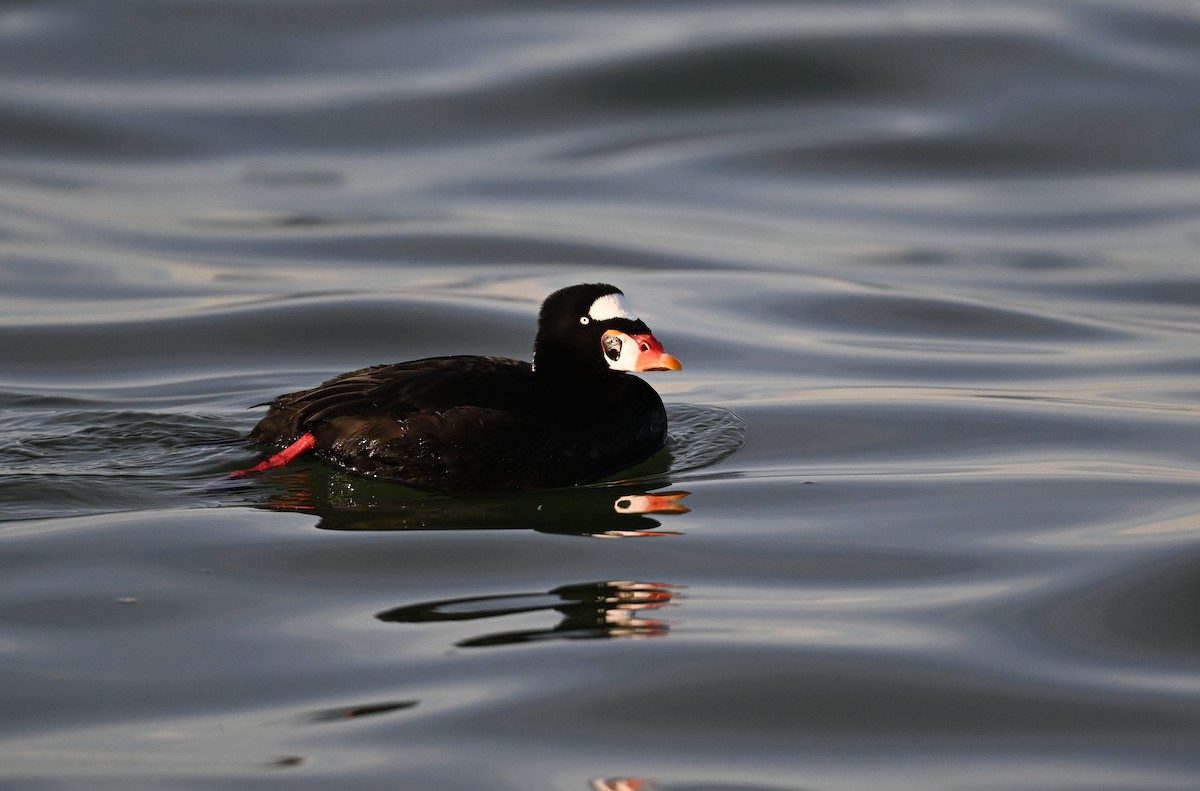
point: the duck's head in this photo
(590, 329)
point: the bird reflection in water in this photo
(349, 502)
(621, 784)
(588, 611)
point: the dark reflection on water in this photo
(364, 710)
(345, 503)
(588, 610)
(939, 258)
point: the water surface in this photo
(930, 267)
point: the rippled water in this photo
(930, 516)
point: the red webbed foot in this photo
(298, 448)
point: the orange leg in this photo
(301, 446)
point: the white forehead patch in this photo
(611, 306)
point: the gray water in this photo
(931, 268)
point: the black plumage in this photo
(472, 424)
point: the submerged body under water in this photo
(929, 512)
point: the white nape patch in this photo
(611, 306)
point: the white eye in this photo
(584, 319)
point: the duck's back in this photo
(472, 424)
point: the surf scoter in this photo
(475, 425)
